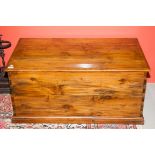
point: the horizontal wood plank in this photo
(108, 84)
(77, 106)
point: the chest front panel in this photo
(117, 94)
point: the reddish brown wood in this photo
(103, 120)
(78, 81)
(61, 54)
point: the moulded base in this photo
(76, 120)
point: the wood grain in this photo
(77, 106)
(78, 80)
(77, 54)
(77, 93)
(78, 83)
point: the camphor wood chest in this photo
(78, 80)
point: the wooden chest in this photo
(78, 80)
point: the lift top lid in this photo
(77, 54)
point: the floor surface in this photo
(149, 107)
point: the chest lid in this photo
(77, 54)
